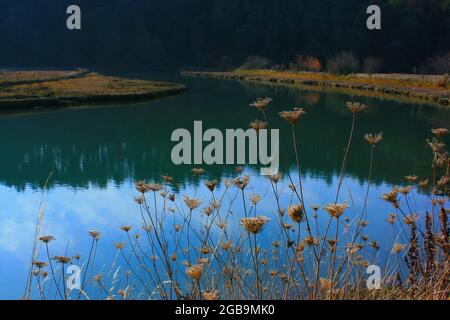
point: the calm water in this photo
(97, 153)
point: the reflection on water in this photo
(97, 153)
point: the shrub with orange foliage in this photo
(308, 63)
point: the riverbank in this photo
(417, 87)
(41, 89)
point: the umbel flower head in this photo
(211, 295)
(254, 225)
(61, 259)
(192, 203)
(258, 125)
(211, 185)
(398, 247)
(292, 116)
(373, 139)
(391, 196)
(336, 210)
(296, 212)
(126, 228)
(47, 238)
(40, 264)
(356, 107)
(198, 171)
(144, 187)
(261, 103)
(94, 234)
(241, 182)
(254, 198)
(439, 132)
(195, 271)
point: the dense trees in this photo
(219, 33)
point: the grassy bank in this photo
(418, 87)
(33, 89)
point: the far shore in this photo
(45, 89)
(421, 88)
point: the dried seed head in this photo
(144, 187)
(126, 228)
(296, 212)
(211, 185)
(374, 245)
(167, 179)
(241, 182)
(326, 284)
(211, 295)
(122, 293)
(276, 177)
(192, 203)
(98, 278)
(353, 248)
(374, 139)
(207, 210)
(47, 238)
(404, 190)
(261, 103)
(227, 245)
(392, 218)
(254, 225)
(120, 245)
(258, 125)
(398, 247)
(40, 264)
(391, 196)
(311, 241)
(61, 259)
(410, 219)
(443, 181)
(363, 223)
(254, 198)
(411, 178)
(139, 200)
(198, 171)
(436, 146)
(195, 271)
(439, 132)
(336, 210)
(356, 107)
(424, 183)
(292, 116)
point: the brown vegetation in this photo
(30, 89)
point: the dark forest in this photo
(220, 33)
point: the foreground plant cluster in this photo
(201, 248)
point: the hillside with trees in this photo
(223, 33)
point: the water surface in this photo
(97, 153)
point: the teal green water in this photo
(96, 154)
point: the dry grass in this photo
(40, 89)
(415, 86)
